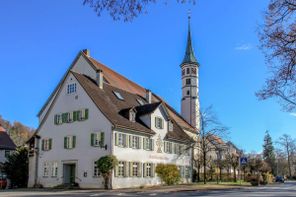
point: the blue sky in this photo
(39, 40)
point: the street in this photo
(287, 189)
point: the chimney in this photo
(99, 78)
(86, 52)
(148, 96)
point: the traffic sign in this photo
(243, 161)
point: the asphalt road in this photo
(287, 189)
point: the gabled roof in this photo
(121, 82)
(115, 109)
(6, 142)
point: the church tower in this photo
(190, 99)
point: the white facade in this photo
(52, 162)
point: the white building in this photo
(95, 111)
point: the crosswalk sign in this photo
(243, 161)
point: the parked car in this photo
(3, 183)
(279, 179)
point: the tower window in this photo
(193, 70)
(183, 72)
(188, 81)
(188, 71)
(188, 92)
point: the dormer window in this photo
(171, 126)
(71, 88)
(158, 123)
(132, 115)
(118, 95)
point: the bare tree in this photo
(209, 138)
(125, 10)
(233, 161)
(288, 145)
(278, 42)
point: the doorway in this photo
(69, 173)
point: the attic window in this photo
(118, 95)
(140, 102)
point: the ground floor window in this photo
(135, 168)
(148, 169)
(54, 169)
(121, 168)
(46, 169)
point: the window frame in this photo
(157, 121)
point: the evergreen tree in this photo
(268, 152)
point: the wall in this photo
(84, 154)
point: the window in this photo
(168, 147)
(188, 71)
(140, 101)
(54, 169)
(46, 169)
(183, 72)
(188, 92)
(46, 144)
(97, 139)
(118, 95)
(96, 170)
(148, 169)
(121, 140)
(135, 168)
(148, 144)
(121, 168)
(158, 123)
(71, 88)
(58, 119)
(7, 153)
(188, 81)
(171, 126)
(69, 142)
(135, 142)
(193, 70)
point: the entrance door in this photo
(69, 173)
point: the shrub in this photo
(168, 173)
(267, 178)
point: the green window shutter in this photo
(116, 171)
(152, 169)
(130, 169)
(144, 143)
(42, 144)
(102, 140)
(140, 143)
(144, 170)
(92, 137)
(152, 144)
(126, 169)
(139, 169)
(116, 139)
(50, 144)
(65, 142)
(55, 119)
(74, 115)
(74, 141)
(126, 144)
(86, 114)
